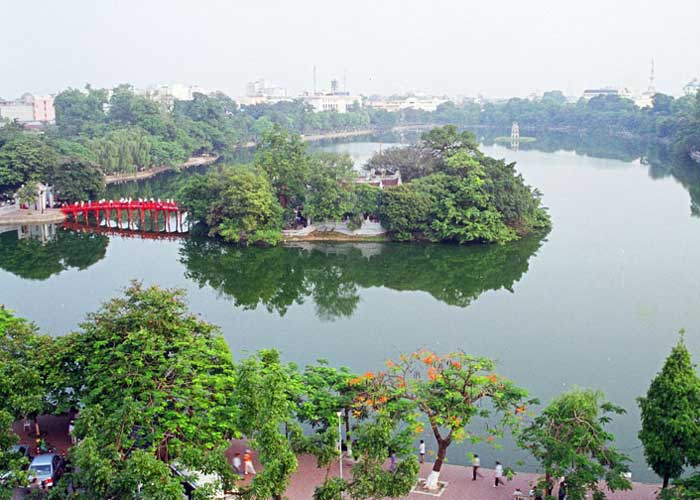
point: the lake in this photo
(597, 302)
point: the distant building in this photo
(606, 91)
(380, 179)
(44, 110)
(263, 88)
(338, 103)
(422, 103)
(166, 95)
(29, 109)
(335, 100)
(17, 110)
(692, 87)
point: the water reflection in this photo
(332, 275)
(659, 158)
(39, 251)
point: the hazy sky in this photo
(489, 47)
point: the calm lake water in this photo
(597, 302)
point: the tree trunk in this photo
(665, 485)
(432, 482)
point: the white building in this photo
(166, 95)
(605, 91)
(422, 103)
(692, 87)
(332, 102)
(29, 108)
(17, 110)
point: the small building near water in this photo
(44, 198)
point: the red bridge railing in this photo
(135, 210)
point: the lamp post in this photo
(340, 442)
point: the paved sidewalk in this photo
(308, 476)
(460, 487)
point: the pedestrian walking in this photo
(562, 490)
(498, 478)
(237, 464)
(248, 463)
(421, 451)
(392, 465)
(476, 463)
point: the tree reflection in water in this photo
(332, 274)
(30, 254)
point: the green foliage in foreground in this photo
(683, 489)
(152, 378)
(21, 390)
(569, 440)
(671, 416)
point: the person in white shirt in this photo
(498, 475)
(237, 464)
(421, 451)
(476, 463)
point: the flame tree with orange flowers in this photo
(451, 391)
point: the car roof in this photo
(44, 459)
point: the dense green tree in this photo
(285, 160)
(245, 209)
(80, 112)
(154, 378)
(569, 440)
(265, 392)
(404, 211)
(75, 179)
(198, 194)
(24, 157)
(329, 187)
(21, 383)
(11, 464)
(671, 416)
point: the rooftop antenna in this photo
(314, 79)
(345, 81)
(651, 77)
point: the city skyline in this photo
(498, 50)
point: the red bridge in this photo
(136, 210)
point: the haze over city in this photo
(500, 48)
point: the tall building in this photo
(263, 88)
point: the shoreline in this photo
(23, 216)
(208, 160)
(194, 161)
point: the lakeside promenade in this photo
(459, 478)
(308, 476)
